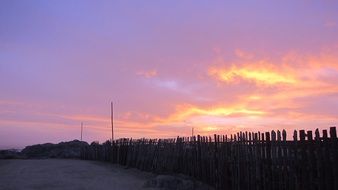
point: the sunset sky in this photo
(217, 66)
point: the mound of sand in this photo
(10, 154)
(70, 149)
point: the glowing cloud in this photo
(184, 112)
(252, 72)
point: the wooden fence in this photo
(244, 161)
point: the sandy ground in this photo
(52, 174)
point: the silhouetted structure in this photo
(81, 130)
(244, 161)
(112, 120)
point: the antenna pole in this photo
(81, 130)
(112, 121)
(192, 132)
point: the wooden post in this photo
(259, 135)
(309, 136)
(279, 136)
(112, 121)
(81, 130)
(333, 133)
(302, 135)
(325, 134)
(273, 135)
(295, 135)
(284, 135)
(317, 136)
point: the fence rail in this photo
(244, 161)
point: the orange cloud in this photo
(292, 69)
(148, 74)
(184, 112)
(300, 83)
(259, 72)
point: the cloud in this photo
(179, 87)
(292, 69)
(168, 84)
(186, 111)
(259, 73)
(255, 93)
(298, 88)
(148, 74)
(243, 54)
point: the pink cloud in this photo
(148, 74)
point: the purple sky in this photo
(217, 66)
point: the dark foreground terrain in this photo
(68, 174)
(71, 149)
(53, 174)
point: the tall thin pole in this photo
(81, 130)
(112, 121)
(192, 131)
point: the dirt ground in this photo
(53, 174)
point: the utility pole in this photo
(112, 121)
(81, 130)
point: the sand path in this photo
(53, 174)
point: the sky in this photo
(168, 66)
